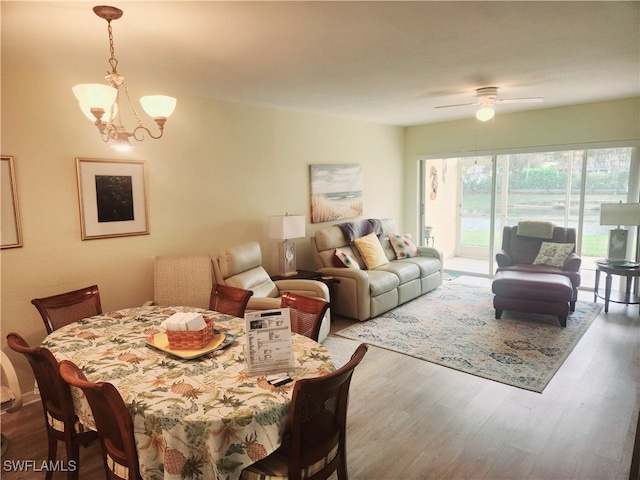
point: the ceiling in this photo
(385, 62)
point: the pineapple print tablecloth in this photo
(202, 418)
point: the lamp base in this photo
(287, 258)
(617, 250)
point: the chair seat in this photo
(276, 466)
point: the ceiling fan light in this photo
(158, 106)
(485, 113)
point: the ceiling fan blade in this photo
(459, 105)
(520, 100)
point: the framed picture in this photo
(11, 233)
(113, 198)
(336, 192)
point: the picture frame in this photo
(11, 233)
(113, 198)
(336, 192)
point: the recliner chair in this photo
(241, 266)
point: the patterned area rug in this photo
(455, 326)
(340, 349)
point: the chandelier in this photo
(99, 101)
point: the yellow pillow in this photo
(371, 250)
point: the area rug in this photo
(340, 349)
(455, 326)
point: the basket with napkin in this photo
(188, 331)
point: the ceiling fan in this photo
(487, 98)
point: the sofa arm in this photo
(572, 263)
(503, 258)
(310, 288)
(431, 252)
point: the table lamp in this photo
(619, 214)
(285, 227)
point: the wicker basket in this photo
(191, 340)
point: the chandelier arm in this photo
(141, 129)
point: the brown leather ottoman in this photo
(530, 292)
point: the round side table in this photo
(629, 270)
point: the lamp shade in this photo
(485, 113)
(286, 226)
(158, 106)
(95, 95)
(620, 214)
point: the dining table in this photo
(203, 417)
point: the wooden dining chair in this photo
(315, 445)
(65, 308)
(61, 421)
(306, 313)
(229, 300)
(113, 422)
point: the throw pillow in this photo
(403, 245)
(371, 250)
(346, 259)
(553, 254)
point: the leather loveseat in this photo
(362, 293)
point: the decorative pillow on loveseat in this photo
(346, 259)
(403, 245)
(553, 254)
(371, 250)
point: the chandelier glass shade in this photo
(100, 103)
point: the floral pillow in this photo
(553, 254)
(403, 245)
(346, 259)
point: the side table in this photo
(629, 270)
(330, 282)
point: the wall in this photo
(214, 178)
(595, 123)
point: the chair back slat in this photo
(306, 313)
(229, 300)
(65, 308)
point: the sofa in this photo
(538, 270)
(363, 290)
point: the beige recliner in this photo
(241, 266)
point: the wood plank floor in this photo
(410, 419)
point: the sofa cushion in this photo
(371, 250)
(553, 254)
(257, 280)
(403, 245)
(427, 265)
(405, 271)
(345, 259)
(382, 282)
(240, 259)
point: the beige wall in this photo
(596, 123)
(214, 178)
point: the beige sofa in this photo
(363, 294)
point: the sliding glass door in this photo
(565, 187)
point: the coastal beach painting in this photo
(336, 192)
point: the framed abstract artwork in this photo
(113, 198)
(336, 192)
(11, 234)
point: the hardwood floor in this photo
(410, 419)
